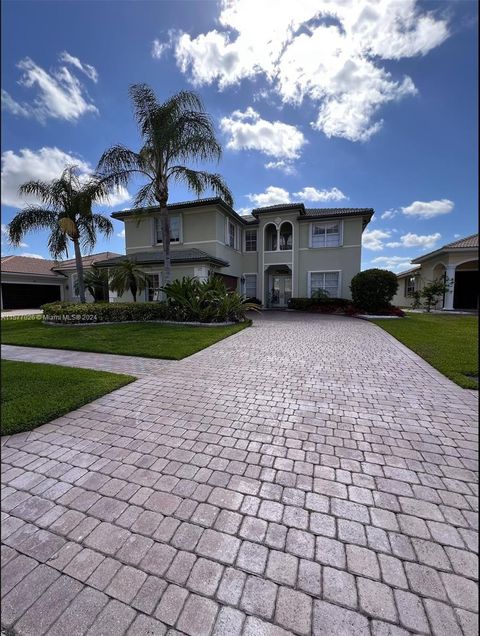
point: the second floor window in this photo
(250, 240)
(230, 234)
(174, 229)
(325, 235)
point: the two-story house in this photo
(276, 253)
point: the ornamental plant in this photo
(373, 289)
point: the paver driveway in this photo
(308, 475)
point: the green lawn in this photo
(33, 394)
(149, 340)
(448, 343)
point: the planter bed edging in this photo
(124, 322)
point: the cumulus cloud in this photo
(59, 93)
(32, 255)
(271, 196)
(417, 240)
(373, 239)
(121, 234)
(274, 195)
(44, 164)
(314, 194)
(395, 263)
(389, 214)
(428, 209)
(248, 131)
(329, 51)
(283, 165)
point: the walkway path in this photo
(308, 475)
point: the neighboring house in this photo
(27, 283)
(456, 262)
(276, 253)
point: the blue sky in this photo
(361, 105)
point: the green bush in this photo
(85, 313)
(373, 289)
(208, 301)
(324, 305)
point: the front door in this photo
(280, 290)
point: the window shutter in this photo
(340, 230)
(310, 234)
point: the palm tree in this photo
(127, 276)
(96, 283)
(67, 213)
(173, 133)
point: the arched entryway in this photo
(278, 286)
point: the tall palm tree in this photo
(173, 133)
(66, 211)
(127, 276)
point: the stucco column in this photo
(450, 277)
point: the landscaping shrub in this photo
(373, 289)
(85, 313)
(324, 305)
(191, 300)
(187, 300)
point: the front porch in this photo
(277, 286)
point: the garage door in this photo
(18, 296)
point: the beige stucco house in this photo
(27, 283)
(276, 253)
(456, 262)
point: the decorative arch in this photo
(271, 237)
(285, 235)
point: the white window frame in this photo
(244, 275)
(157, 220)
(228, 223)
(160, 284)
(325, 223)
(410, 279)
(324, 271)
(245, 240)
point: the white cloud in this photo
(326, 50)
(248, 131)
(417, 240)
(159, 48)
(394, 263)
(313, 194)
(44, 164)
(283, 165)
(60, 95)
(428, 209)
(271, 196)
(389, 214)
(32, 255)
(121, 234)
(373, 239)
(90, 71)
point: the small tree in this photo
(96, 283)
(432, 292)
(416, 297)
(127, 276)
(373, 289)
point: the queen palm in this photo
(66, 211)
(173, 133)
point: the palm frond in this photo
(58, 243)
(117, 165)
(102, 224)
(198, 181)
(30, 219)
(145, 196)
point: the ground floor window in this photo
(409, 285)
(324, 281)
(152, 290)
(250, 285)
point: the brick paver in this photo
(309, 475)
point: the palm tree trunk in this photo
(165, 221)
(79, 267)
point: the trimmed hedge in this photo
(72, 313)
(322, 305)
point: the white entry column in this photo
(450, 277)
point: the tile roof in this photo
(28, 265)
(122, 214)
(468, 241)
(408, 271)
(177, 256)
(87, 260)
(320, 212)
